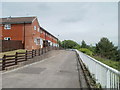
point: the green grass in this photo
(85, 50)
(11, 52)
(111, 63)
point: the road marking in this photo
(27, 65)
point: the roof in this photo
(48, 32)
(16, 20)
(20, 20)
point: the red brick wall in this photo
(30, 34)
(42, 35)
(15, 32)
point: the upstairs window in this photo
(34, 27)
(7, 26)
(7, 38)
(38, 29)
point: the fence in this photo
(105, 75)
(8, 45)
(11, 60)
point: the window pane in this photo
(7, 26)
(34, 27)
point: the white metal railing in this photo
(105, 75)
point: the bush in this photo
(70, 44)
(111, 63)
(86, 51)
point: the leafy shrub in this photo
(111, 63)
(70, 44)
(86, 51)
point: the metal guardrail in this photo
(105, 75)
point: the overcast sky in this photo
(76, 21)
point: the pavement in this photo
(58, 71)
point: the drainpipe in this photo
(24, 35)
(45, 41)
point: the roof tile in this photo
(16, 20)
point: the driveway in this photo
(59, 71)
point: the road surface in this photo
(59, 71)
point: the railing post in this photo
(3, 62)
(32, 53)
(16, 58)
(26, 55)
(39, 52)
(108, 79)
(35, 52)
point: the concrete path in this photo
(59, 71)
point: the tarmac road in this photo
(59, 71)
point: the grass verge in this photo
(11, 52)
(111, 63)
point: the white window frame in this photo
(41, 41)
(7, 26)
(36, 41)
(35, 27)
(6, 38)
(38, 29)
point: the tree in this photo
(83, 44)
(118, 55)
(105, 48)
(70, 44)
(59, 43)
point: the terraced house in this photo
(28, 31)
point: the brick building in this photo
(27, 30)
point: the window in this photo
(34, 27)
(38, 29)
(7, 38)
(41, 41)
(37, 41)
(7, 26)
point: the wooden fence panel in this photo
(9, 45)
